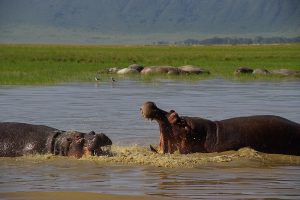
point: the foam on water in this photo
(141, 155)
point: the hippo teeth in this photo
(94, 153)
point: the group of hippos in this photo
(265, 133)
(190, 69)
(170, 70)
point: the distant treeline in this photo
(233, 41)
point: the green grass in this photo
(52, 64)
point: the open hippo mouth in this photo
(168, 143)
(96, 144)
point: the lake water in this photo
(134, 170)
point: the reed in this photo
(52, 64)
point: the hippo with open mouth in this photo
(17, 139)
(265, 133)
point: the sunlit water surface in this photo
(114, 110)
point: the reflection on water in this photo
(135, 170)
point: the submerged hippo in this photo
(286, 72)
(17, 139)
(266, 133)
(243, 70)
(160, 70)
(190, 69)
(127, 71)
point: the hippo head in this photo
(95, 142)
(185, 134)
(168, 143)
(77, 144)
(149, 110)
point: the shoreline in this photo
(71, 195)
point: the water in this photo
(114, 110)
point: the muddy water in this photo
(133, 170)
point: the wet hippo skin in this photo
(17, 139)
(265, 133)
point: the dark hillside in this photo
(140, 17)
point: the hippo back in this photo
(17, 139)
(266, 133)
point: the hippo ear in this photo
(173, 117)
(106, 140)
(174, 113)
(92, 133)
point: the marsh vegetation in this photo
(52, 64)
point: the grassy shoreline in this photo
(53, 64)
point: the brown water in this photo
(134, 170)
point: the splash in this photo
(141, 155)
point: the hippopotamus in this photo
(190, 69)
(113, 70)
(18, 139)
(137, 67)
(127, 71)
(286, 72)
(243, 70)
(160, 70)
(264, 133)
(260, 71)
